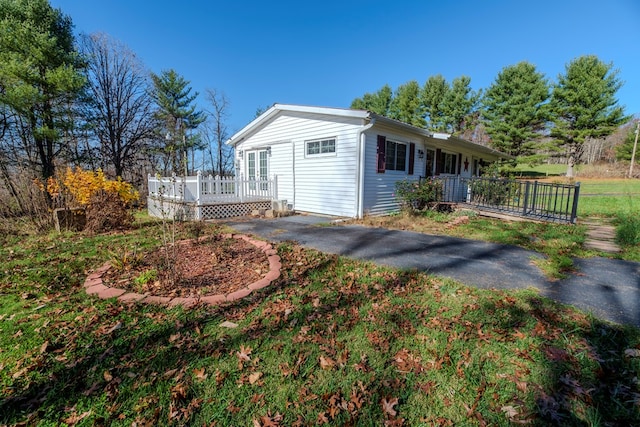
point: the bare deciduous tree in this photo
(219, 133)
(121, 107)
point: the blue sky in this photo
(329, 52)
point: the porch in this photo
(542, 201)
(208, 197)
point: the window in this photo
(395, 156)
(321, 146)
(449, 163)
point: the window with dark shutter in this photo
(381, 158)
(412, 157)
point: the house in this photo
(346, 162)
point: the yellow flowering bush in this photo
(83, 185)
(105, 200)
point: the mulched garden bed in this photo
(212, 266)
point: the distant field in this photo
(600, 196)
(542, 170)
(603, 170)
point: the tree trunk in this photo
(571, 160)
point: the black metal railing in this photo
(529, 199)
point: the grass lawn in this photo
(334, 342)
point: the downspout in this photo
(361, 137)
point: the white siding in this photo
(379, 188)
(317, 184)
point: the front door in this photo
(257, 166)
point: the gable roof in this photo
(364, 115)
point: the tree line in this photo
(522, 113)
(89, 101)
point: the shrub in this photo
(417, 195)
(106, 201)
(82, 185)
(628, 231)
(107, 211)
(494, 192)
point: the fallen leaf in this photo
(228, 324)
(632, 352)
(244, 353)
(231, 407)
(322, 418)
(509, 411)
(326, 363)
(114, 328)
(220, 377)
(200, 374)
(43, 347)
(254, 377)
(19, 373)
(74, 418)
(387, 406)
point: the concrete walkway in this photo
(610, 289)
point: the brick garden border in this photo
(94, 285)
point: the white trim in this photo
(275, 109)
(320, 141)
(361, 139)
(406, 155)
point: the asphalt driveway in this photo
(610, 289)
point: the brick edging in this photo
(94, 286)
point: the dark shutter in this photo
(380, 154)
(459, 163)
(439, 161)
(412, 157)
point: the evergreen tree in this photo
(378, 102)
(516, 111)
(459, 105)
(584, 105)
(434, 92)
(40, 78)
(624, 150)
(406, 105)
(177, 112)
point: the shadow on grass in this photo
(583, 359)
(153, 352)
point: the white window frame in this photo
(395, 157)
(323, 144)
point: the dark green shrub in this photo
(495, 192)
(417, 195)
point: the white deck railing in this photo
(207, 190)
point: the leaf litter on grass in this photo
(333, 341)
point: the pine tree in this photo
(41, 76)
(459, 105)
(584, 105)
(516, 111)
(434, 93)
(177, 112)
(406, 105)
(624, 150)
(378, 102)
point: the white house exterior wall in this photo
(379, 188)
(324, 184)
